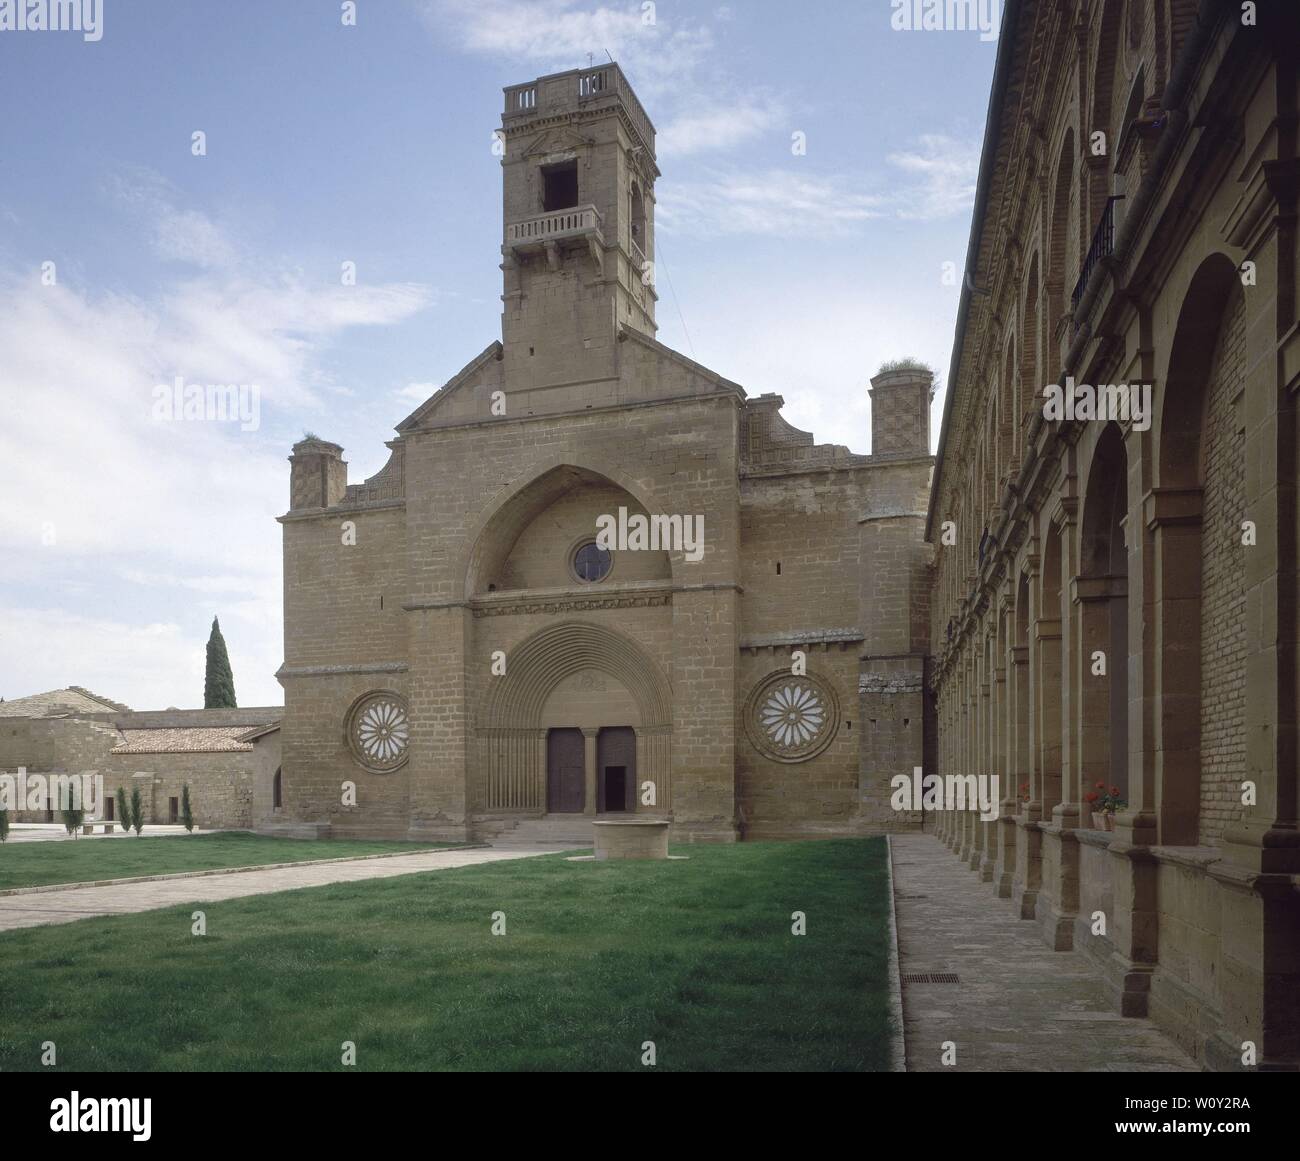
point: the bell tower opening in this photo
(560, 186)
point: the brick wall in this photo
(1223, 586)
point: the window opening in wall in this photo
(560, 186)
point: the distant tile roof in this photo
(73, 699)
(195, 740)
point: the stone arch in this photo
(511, 730)
(1103, 86)
(1047, 672)
(1008, 413)
(504, 517)
(1030, 383)
(637, 218)
(1018, 678)
(1101, 594)
(1199, 503)
(1058, 254)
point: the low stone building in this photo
(1116, 607)
(229, 758)
(464, 657)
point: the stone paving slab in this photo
(73, 903)
(1019, 1006)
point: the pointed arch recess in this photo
(512, 735)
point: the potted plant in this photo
(1023, 796)
(1105, 804)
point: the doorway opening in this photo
(615, 787)
(616, 769)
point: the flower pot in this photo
(1098, 820)
(1110, 821)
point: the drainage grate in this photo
(911, 896)
(931, 978)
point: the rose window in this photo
(793, 715)
(378, 731)
(791, 718)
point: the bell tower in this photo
(578, 254)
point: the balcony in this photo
(1103, 246)
(546, 230)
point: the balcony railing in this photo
(1103, 246)
(553, 226)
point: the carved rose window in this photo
(378, 731)
(791, 718)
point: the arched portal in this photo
(573, 675)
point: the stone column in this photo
(590, 735)
(1058, 902)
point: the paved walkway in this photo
(47, 832)
(66, 906)
(1019, 1006)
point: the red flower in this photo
(1101, 786)
(1091, 796)
(1114, 791)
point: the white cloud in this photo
(100, 489)
(939, 182)
(776, 202)
(556, 35)
(945, 171)
(416, 393)
(147, 666)
(718, 127)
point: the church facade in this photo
(469, 655)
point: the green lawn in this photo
(597, 958)
(35, 864)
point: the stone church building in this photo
(464, 659)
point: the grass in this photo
(37, 864)
(597, 958)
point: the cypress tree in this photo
(218, 681)
(137, 811)
(4, 825)
(72, 811)
(123, 811)
(187, 814)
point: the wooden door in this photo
(566, 779)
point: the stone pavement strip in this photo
(1019, 1006)
(75, 903)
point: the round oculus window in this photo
(591, 563)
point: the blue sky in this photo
(372, 144)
